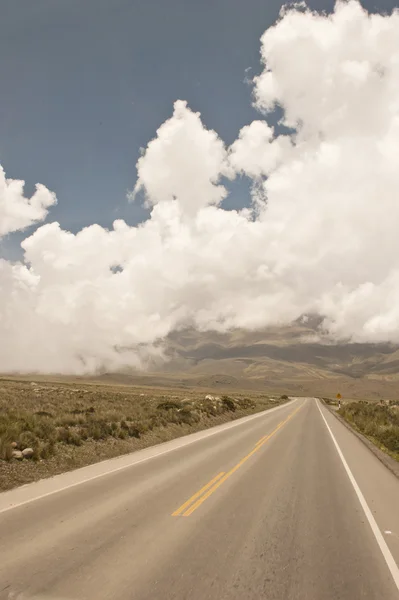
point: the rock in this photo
(209, 397)
(14, 445)
(27, 453)
(17, 454)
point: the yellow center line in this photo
(266, 437)
(196, 495)
(207, 490)
(261, 440)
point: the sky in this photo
(208, 164)
(87, 83)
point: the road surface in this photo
(284, 505)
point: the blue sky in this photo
(86, 83)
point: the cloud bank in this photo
(321, 236)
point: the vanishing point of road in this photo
(287, 504)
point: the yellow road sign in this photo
(339, 396)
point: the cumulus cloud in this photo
(321, 236)
(257, 152)
(184, 161)
(18, 212)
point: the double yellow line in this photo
(199, 497)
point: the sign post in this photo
(339, 400)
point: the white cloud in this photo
(323, 238)
(18, 212)
(183, 162)
(257, 152)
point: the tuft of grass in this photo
(6, 449)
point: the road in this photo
(276, 506)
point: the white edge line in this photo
(185, 442)
(389, 559)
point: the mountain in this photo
(293, 359)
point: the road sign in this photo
(339, 396)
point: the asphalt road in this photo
(270, 507)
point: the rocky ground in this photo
(50, 427)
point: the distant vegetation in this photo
(67, 425)
(379, 422)
(331, 401)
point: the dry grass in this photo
(72, 425)
(379, 422)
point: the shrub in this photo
(228, 403)
(185, 415)
(141, 426)
(74, 438)
(246, 403)
(45, 429)
(134, 431)
(168, 405)
(209, 408)
(390, 438)
(28, 439)
(46, 449)
(63, 435)
(379, 422)
(114, 427)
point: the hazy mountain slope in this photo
(285, 357)
(280, 360)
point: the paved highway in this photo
(284, 505)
